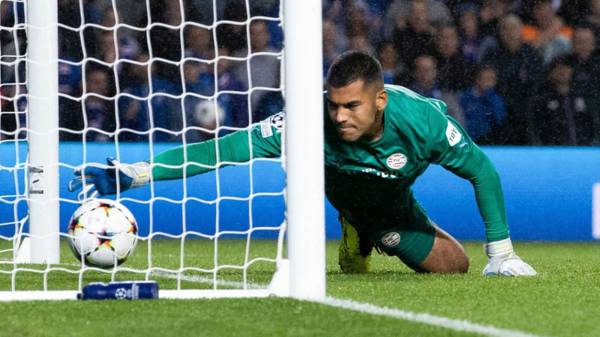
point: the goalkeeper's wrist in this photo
(140, 173)
(502, 248)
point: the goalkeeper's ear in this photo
(381, 100)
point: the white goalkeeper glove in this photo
(105, 181)
(504, 261)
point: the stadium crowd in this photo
(512, 72)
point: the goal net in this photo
(85, 80)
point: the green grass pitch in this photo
(563, 300)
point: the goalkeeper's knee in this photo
(354, 255)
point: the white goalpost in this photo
(42, 138)
(184, 237)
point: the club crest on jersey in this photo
(391, 239)
(396, 161)
(452, 134)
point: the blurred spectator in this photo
(106, 47)
(358, 20)
(425, 77)
(519, 75)
(232, 36)
(417, 37)
(156, 101)
(234, 103)
(378, 7)
(490, 15)
(99, 112)
(264, 67)
(165, 107)
(483, 109)
(549, 34)
(394, 71)
(470, 40)
(400, 11)
(573, 11)
(134, 111)
(13, 102)
(69, 84)
(360, 42)
(165, 41)
(593, 19)
(426, 83)
(176, 88)
(560, 117)
(199, 43)
(69, 78)
(454, 70)
(93, 10)
(585, 62)
(334, 42)
(132, 12)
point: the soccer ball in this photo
(103, 233)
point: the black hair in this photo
(353, 66)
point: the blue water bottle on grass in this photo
(128, 290)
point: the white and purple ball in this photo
(103, 233)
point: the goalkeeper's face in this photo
(356, 110)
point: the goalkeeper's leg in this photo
(421, 244)
(446, 256)
(354, 252)
(427, 249)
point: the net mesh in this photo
(137, 78)
(13, 90)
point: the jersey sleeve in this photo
(450, 146)
(262, 140)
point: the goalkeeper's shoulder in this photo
(259, 140)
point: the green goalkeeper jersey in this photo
(366, 180)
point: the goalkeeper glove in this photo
(104, 180)
(504, 261)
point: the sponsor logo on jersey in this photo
(391, 239)
(452, 134)
(396, 161)
(377, 173)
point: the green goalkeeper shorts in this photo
(410, 237)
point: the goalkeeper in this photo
(378, 140)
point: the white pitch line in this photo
(208, 280)
(424, 318)
(429, 319)
(440, 321)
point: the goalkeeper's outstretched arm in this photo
(262, 140)
(202, 157)
(454, 150)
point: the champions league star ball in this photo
(103, 233)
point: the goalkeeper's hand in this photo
(104, 180)
(504, 261)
